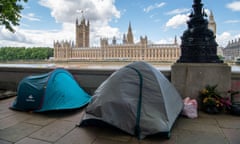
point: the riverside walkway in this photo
(59, 127)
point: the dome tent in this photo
(56, 90)
(137, 99)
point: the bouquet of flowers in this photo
(212, 102)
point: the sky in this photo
(46, 21)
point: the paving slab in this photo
(227, 116)
(18, 131)
(148, 140)
(4, 110)
(233, 135)
(193, 125)
(53, 131)
(113, 134)
(41, 120)
(5, 114)
(4, 105)
(194, 137)
(227, 123)
(199, 120)
(75, 116)
(32, 141)
(13, 119)
(79, 136)
(4, 142)
(156, 139)
(107, 141)
(59, 127)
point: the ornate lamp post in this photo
(198, 42)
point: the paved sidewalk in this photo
(60, 128)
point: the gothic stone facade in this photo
(232, 50)
(128, 50)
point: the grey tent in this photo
(137, 99)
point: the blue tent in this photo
(56, 90)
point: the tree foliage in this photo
(37, 53)
(10, 13)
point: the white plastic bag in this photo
(190, 108)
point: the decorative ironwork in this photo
(198, 42)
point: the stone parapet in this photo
(187, 78)
(89, 79)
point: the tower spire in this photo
(211, 23)
(129, 27)
(130, 35)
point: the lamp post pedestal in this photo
(190, 78)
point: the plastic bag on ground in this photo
(190, 108)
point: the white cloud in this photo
(232, 21)
(166, 41)
(99, 12)
(31, 17)
(222, 39)
(35, 38)
(9, 36)
(155, 6)
(234, 6)
(94, 10)
(105, 31)
(207, 11)
(177, 21)
(178, 11)
(225, 37)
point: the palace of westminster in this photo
(128, 50)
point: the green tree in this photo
(22, 53)
(10, 13)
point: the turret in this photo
(175, 40)
(124, 39)
(114, 41)
(144, 40)
(104, 42)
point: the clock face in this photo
(211, 28)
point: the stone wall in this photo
(89, 79)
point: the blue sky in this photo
(45, 21)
